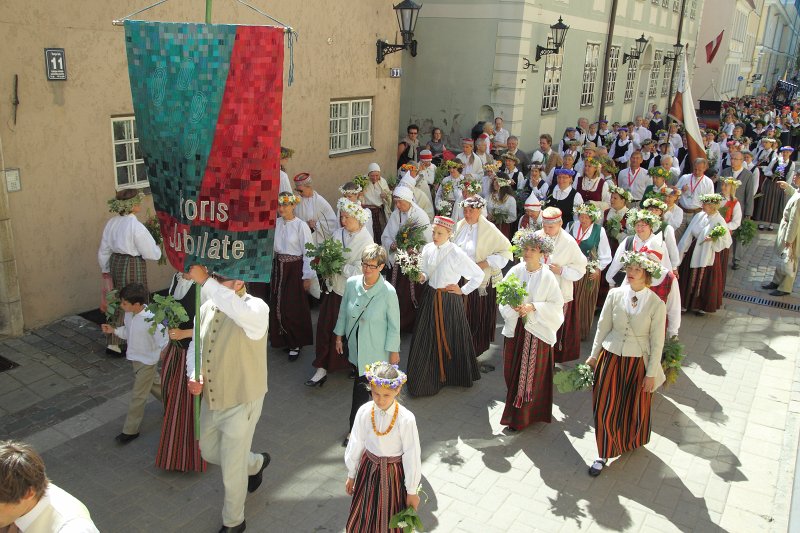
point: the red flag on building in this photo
(682, 110)
(713, 47)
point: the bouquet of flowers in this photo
(167, 311)
(112, 304)
(154, 228)
(410, 235)
(579, 378)
(745, 233)
(608, 166)
(471, 187)
(671, 359)
(439, 175)
(718, 231)
(409, 263)
(444, 208)
(361, 180)
(499, 217)
(408, 167)
(510, 292)
(447, 190)
(327, 258)
(408, 520)
(779, 173)
(613, 227)
(712, 158)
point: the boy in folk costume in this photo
(378, 200)
(530, 332)
(568, 263)
(491, 250)
(314, 210)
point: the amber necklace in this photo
(394, 419)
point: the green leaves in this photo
(408, 520)
(327, 258)
(746, 232)
(510, 292)
(410, 236)
(579, 378)
(613, 227)
(718, 231)
(671, 359)
(112, 303)
(166, 310)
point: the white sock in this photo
(321, 373)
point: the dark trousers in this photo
(361, 395)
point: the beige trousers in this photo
(146, 381)
(225, 440)
(785, 283)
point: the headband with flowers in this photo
(592, 162)
(655, 202)
(386, 383)
(408, 167)
(503, 182)
(453, 164)
(733, 182)
(474, 202)
(659, 171)
(125, 207)
(625, 195)
(642, 215)
(287, 198)
(589, 209)
(491, 168)
(529, 237)
(712, 198)
(286, 153)
(353, 209)
(631, 258)
(344, 191)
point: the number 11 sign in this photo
(55, 61)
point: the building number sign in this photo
(55, 61)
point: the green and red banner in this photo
(208, 101)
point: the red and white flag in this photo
(713, 47)
(682, 110)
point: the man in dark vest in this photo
(745, 194)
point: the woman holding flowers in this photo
(124, 247)
(354, 238)
(774, 200)
(592, 240)
(442, 351)
(626, 357)
(538, 184)
(353, 192)
(707, 235)
(530, 331)
(450, 189)
(502, 204)
(290, 316)
(383, 457)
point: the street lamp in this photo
(558, 33)
(407, 12)
(675, 55)
(641, 42)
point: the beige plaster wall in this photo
(62, 139)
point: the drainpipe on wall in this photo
(10, 305)
(607, 59)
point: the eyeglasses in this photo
(369, 267)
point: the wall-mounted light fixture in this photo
(636, 53)
(407, 12)
(674, 55)
(558, 32)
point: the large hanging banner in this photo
(207, 100)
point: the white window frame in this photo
(590, 74)
(552, 78)
(133, 164)
(630, 79)
(655, 74)
(348, 132)
(676, 6)
(693, 9)
(665, 3)
(665, 80)
(613, 67)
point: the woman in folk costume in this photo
(314, 210)
(473, 166)
(765, 156)
(532, 219)
(568, 163)
(407, 179)
(290, 316)
(530, 332)
(408, 218)
(774, 199)
(501, 204)
(592, 187)
(700, 288)
(377, 200)
(491, 250)
(568, 263)
(354, 238)
(450, 189)
(673, 214)
(644, 240)
(621, 149)
(178, 448)
(787, 241)
(731, 211)
(442, 351)
(667, 232)
(124, 247)
(353, 192)
(592, 240)
(658, 189)
(538, 184)
(383, 457)
(626, 357)
(615, 224)
(510, 162)
(563, 195)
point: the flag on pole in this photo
(713, 47)
(682, 110)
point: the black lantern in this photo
(407, 12)
(558, 32)
(641, 42)
(675, 55)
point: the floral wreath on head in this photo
(655, 202)
(344, 192)
(503, 182)
(492, 168)
(631, 258)
(592, 162)
(733, 182)
(361, 180)
(352, 209)
(409, 167)
(531, 238)
(625, 195)
(589, 209)
(452, 163)
(286, 153)
(471, 187)
(712, 132)
(475, 202)
(712, 198)
(288, 198)
(642, 215)
(125, 207)
(386, 383)
(660, 172)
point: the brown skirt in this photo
(289, 314)
(408, 295)
(481, 316)
(701, 288)
(568, 338)
(540, 406)
(586, 291)
(325, 347)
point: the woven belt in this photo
(692, 211)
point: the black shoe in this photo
(346, 441)
(353, 371)
(597, 467)
(771, 228)
(294, 353)
(254, 481)
(320, 383)
(125, 438)
(485, 368)
(511, 430)
(776, 292)
(233, 529)
(762, 227)
(769, 286)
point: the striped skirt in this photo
(527, 364)
(290, 316)
(378, 221)
(441, 350)
(772, 203)
(568, 338)
(125, 269)
(585, 292)
(408, 297)
(325, 347)
(378, 494)
(177, 449)
(482, 317)
(621, 407)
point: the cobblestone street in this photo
(721, 457)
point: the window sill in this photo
(353, 152)
(144, 188)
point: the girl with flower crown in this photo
(731, 211)
(707, 235)
(450, 189)
(290, 316)
(502, 203)
(530, 332)
(383, 456)
(124, 247)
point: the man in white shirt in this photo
(692, 186)
(499, 143)
(545, 153)
(641, 130)
(29, 502)
(634, 179)
(314, 210)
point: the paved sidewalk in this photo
(721, 457)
